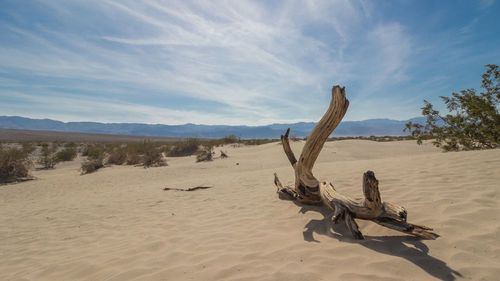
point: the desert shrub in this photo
(83, 149)
(133, 158)
(151, 154)
(117, 156)
(94, 151)
(228, 140)
(206, 154)
(28, 147)
(231, 139)
(258, 141)
(70, 144)
(147, 153)
(153, 158)
(67, 154)
(473, 121)
(56, 144)
(14, 164)
(48, 158)
(185, 148)
(92, 165)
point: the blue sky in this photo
(238, 62)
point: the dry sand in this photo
(118, 223)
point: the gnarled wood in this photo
(319, 134)
(187, 189)
(287, 148)
(309, 190)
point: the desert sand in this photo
(119, 224)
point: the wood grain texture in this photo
(308, 190)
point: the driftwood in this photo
(187, 189)
(308, 190)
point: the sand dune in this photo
(118, 223)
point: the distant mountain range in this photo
(371, 127)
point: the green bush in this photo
(14, 164)
(473, 121)
(67, 154)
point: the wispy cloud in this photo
(62, 106)
(212, 62)
(484, 4)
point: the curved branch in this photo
(308, 190)
(287, 148)
(315, 141)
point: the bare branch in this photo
(287, 148)
(314, 144)
(308, 190)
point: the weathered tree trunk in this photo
(308, 190)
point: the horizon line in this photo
(189, 123)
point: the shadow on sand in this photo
(407, 247)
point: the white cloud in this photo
(59, 106)
(263, 63)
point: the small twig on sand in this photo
(188, 189)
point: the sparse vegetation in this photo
(70, 145)
(373, 138)
(473, 121)
(14, 165)
(28, 147)
(146, 153)
(94, 151)
(133, 158)
(204, 155)
(257, 141)
(95, 158)
(152, 155)
(227, 140)
(92, 165)
(117, 156)
(67, 154)
(185, 148)
(48, 158)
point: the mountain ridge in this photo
(370, 127)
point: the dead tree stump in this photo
(308, 190)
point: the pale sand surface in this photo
(118, 223)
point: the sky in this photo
(238, 62)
